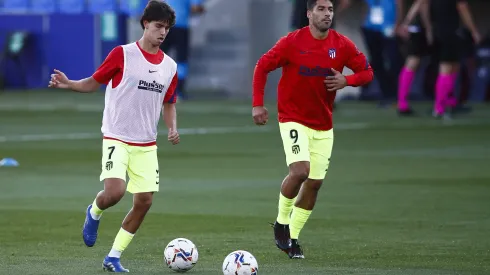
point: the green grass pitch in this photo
(402, 196)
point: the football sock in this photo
(285, 207)
(122, 241)
(452, 101)
(404, 84)
(95, 211)
(444, 85)
(298, 220)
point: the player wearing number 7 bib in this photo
(311, 59)
(141, 80)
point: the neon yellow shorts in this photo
(305, 144)
(140, 163)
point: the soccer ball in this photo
(240, 262)
(181, 255)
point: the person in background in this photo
(380, 29)
(419, 38)
(445, 18)
(179, 38)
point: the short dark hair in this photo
(157, 10)
(310, 4)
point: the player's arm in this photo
(60, 80)
(467, 18)
(111, 65)
(170, 112)
(425, 18)
(357, 62)
(275, 58)
(414, 11)
(400, 11)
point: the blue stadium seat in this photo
(72, 6)
(43, 6)
(132, 7)
(15, 5)
(101, 6)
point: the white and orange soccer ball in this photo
(181, 255)
(240, 262)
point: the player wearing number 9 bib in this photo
(141, 81)
(311, 59)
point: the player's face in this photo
(322, 15)
(156, 31)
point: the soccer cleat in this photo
(295, 252)
(113, 264)
(90, 228)
(444, 116)
(281, 236)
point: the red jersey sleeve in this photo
(113, 64)
(358, 63)
(171, 95)
(275, 58)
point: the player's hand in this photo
(260, 115)
(59, 80)
(476, 37)
(335, 82)
(173, 136)
(402, 31)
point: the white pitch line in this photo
(84, 136)
(183, 131)
(353, 126)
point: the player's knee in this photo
(299, 171)
(412, 63)
(143, 201)
(114, 190)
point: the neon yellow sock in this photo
(95, 211)
(122, 241)
(285, 207)
(298, 220)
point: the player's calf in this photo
(308, 194)
(113, 192)
(141, 205)
(298, 173)
(301, 212)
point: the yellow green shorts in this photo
(305, 144)
(139, 163)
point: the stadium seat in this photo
(132, 7)
(101, 6)
(72, 6)
(43, 6)
(15, 5)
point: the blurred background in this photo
(402, 195)
(223, 41)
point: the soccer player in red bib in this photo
(141, 81)
(312, 59)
